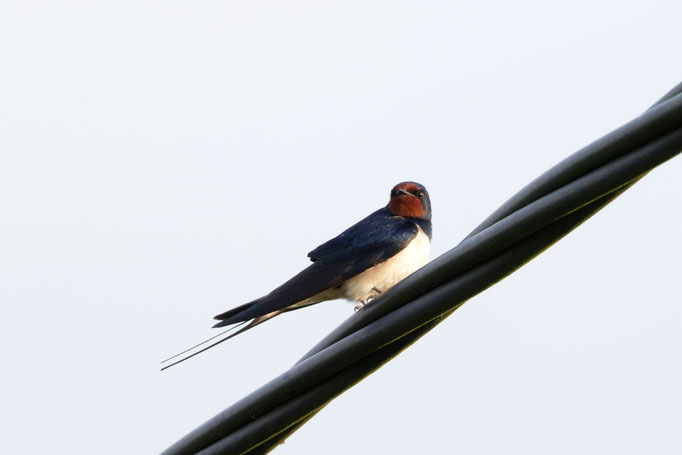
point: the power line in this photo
(531, 221)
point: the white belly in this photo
(382, 276)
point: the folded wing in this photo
(371, 241)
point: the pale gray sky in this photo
(164, 161)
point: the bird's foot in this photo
(366, 301)
(360, 305)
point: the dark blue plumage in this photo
(364, 245)
(358, 264)
(371, 241)
(370, 236)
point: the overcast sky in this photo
(163, 161)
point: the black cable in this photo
(536, 189)
(529, 222)
(442, 300)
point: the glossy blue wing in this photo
(378, 237)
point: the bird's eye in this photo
(420, 194)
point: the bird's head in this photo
(410, 199)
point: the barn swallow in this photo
(357, 265)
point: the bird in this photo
(357, 265)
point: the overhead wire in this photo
(532, 220)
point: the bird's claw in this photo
(360, 305)
(368, 299)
